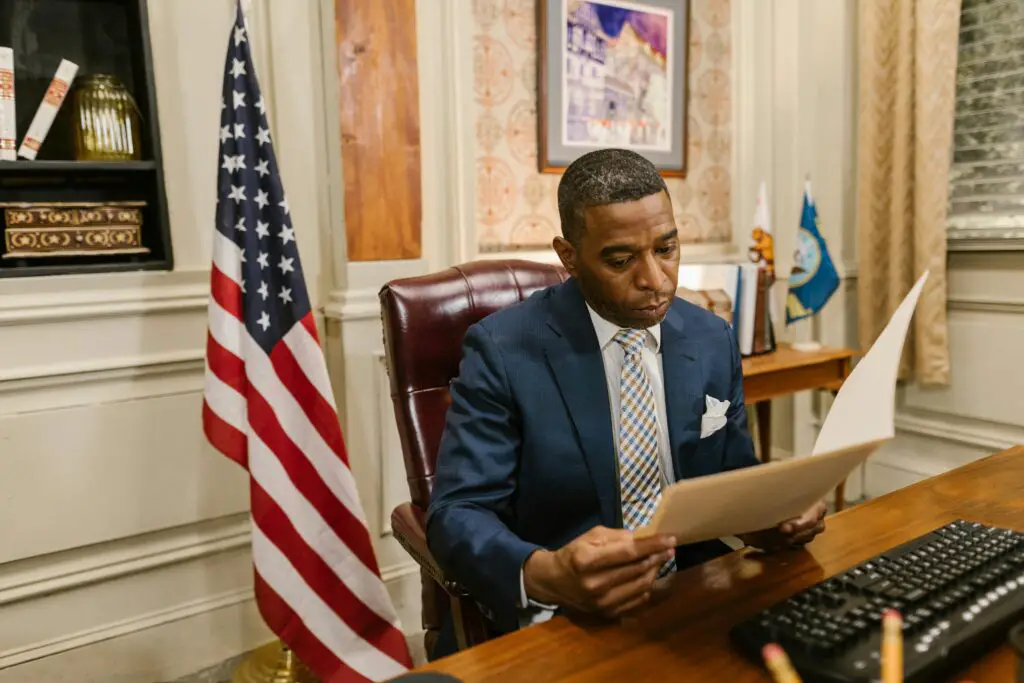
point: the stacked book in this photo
(740, 294)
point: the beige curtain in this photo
(907, 95)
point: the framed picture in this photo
(612, 73)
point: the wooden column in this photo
(380, 127)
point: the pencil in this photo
(892, 647)
(779, 665)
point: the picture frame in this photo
(612, 73)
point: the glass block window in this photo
(987, 174)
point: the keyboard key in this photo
(915, 595)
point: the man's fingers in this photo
(808, 534)
(631, 605)
(606, 580)
(628, 592)
(620, 551)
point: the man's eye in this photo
(619, 262)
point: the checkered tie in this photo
(639, 468)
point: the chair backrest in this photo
(425, 319)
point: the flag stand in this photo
(272, 663)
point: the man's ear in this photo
(566, 254)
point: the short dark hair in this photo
(605, 176)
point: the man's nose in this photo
(649, 276)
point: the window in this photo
(986, 193)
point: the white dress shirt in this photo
(612, 354)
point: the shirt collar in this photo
(606, 331)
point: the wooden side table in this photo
(784, 372)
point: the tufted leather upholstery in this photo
(425, 319)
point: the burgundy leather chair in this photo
(425, 319)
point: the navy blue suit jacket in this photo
(527, 459)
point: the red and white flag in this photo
(268, 406)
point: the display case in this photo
(92, 199)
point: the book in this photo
(48, 108)
(8, 122)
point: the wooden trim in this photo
(380, 128)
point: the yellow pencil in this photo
(892, 647)
(778, 664)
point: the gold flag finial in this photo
(272, 663)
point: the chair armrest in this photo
(409, 525)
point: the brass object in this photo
(272, 663)
(73, 229)
(107, 121)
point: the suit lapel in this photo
(575, 359)
(683, 375)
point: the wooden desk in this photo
(785, 372)
(683, 635)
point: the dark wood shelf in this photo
(26, 166)
(83, 268)
(103, 37)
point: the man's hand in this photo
(791, 533)
(607, 571)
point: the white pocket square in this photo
(714, 416)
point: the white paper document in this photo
(861, 419)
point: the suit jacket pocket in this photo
(711, 451)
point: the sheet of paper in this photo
(865, 407)
(754, 498)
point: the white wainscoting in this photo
(125, 536)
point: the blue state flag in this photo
(814, 279)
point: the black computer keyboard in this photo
(960, 589)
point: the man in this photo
(574, 409)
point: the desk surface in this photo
(685, 631)
(787, 358)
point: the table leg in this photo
(841, 489)
(764, 429)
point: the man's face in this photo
(627, 261)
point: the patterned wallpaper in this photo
(517, 206)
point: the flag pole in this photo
(272, 663)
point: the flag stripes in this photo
(268, 405)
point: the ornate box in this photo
(72, 229)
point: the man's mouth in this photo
(654, 308)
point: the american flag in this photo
(268, 406)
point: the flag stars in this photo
(264, 321)
(285, 295)
(286, 265)
(262, 229)
(238, 98)
(261, 167)
(237, 193)
(225, 133)
(261, 199)
(233, 163)
(284, 205)
(239, 35)
(240, 225)
(263, 135)
(264, 291)
(237, 68)
(287, 235)
(262, 259)
(261, 106)
(240, 131)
